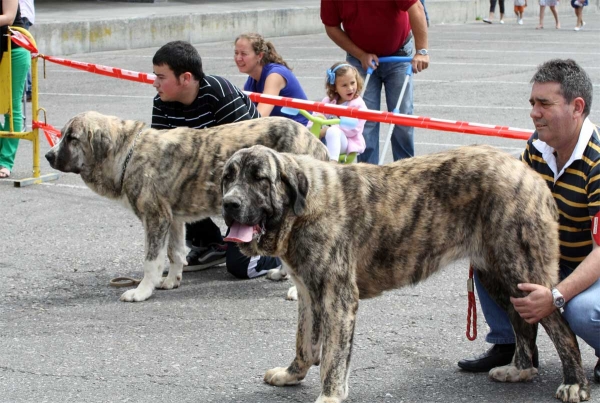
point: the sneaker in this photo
(501, 21)
(201, 258)
(487, 21)
(520, 22)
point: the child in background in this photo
(520, 9)
(552, 4)
(578, 7)
(343, 86)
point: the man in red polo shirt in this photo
(367, 30)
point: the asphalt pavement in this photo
(66, 337)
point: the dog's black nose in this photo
(50, 156)
(231, 204)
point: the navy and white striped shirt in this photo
(576, 190)
(218, 102)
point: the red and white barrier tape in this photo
(337, 110)
(395, 118)
(104, 70)
(52, 133)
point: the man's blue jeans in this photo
(391, 76)
(582, 313)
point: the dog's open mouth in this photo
(242, 233)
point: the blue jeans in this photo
(391, 77)
(425, 9)
(582, 313)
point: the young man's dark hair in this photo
(181, 57)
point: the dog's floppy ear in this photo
(100, 143)
(297, 185)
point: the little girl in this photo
(343, 85)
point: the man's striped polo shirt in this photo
(576, 189)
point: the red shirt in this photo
(376, 26)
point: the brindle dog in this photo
(167, 177)
(353, 231)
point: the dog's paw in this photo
(325, 399)
(136, 295)
(280, 377)
(510, 373)
(292, 294)
(277, 274)
(168, 283)
(573, 393)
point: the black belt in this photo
(401, 52)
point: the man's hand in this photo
(420, 63)
(369, 60)
(535, 306)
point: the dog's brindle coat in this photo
(350, 232)
(171, 176)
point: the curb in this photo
(62, 38)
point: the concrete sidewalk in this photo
(78, 26)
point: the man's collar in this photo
(587, 129)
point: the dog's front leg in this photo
(176, 254)
(308, 342)
(157, 229)
(340, 303)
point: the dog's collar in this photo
(129, 154)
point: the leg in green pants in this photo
(20, 63)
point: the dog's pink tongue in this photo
(240, 233)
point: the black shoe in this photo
(201, 258)
(28, 96)
(597, 372)
(497, 356)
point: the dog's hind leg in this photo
(575, 385)
(308, 341)
(500, 285)
(521, 368)
(176, 254)
(278, 274)
(157, 229)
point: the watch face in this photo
(422, 51)
(559, 302)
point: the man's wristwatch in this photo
(423, 52)
(559, 300)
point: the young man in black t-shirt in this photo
(189, 98)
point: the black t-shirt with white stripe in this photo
(219, 102)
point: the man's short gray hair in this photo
(574, 81)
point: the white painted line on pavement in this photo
(64, 185)
(524, 108)
(450, 145)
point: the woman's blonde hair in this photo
(337, 70)
(259, 45)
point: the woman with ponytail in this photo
(268, 73)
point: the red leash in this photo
(472, 309)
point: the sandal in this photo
(4, 173)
